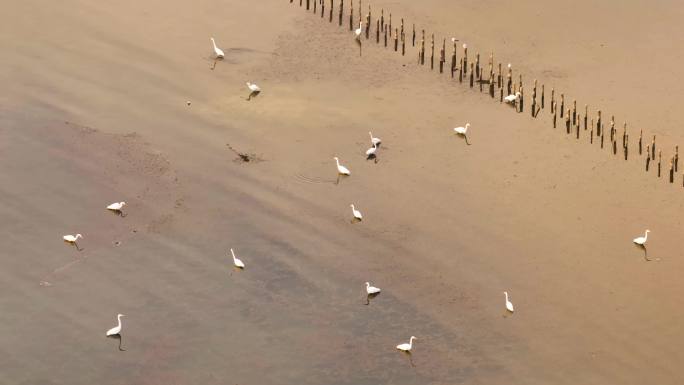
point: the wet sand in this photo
(94, 111)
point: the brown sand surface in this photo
(93, 110)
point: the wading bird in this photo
(237, 262)
(72, 240)
(375, 141)
(407, 347)
(116, 329)
(509, 305)
(462, 130)
(357, 32)
(340, 168)
(511, 99)
(371, 289)
(253, 87)
(217, 51)
(356, 213)
(117, 206)
(371, 151)
(642, 240)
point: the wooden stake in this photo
(341, 12)
(403, 39)
(659, 161)
(385, 29)
(382, 18)
(542, 97)
(676, 158)
(368, 23)
(498, 78)
(591, 134)
(501, 95)
(377, 31)
(626, 147)
(648, 162)
(432, 52)
(554, 114)
(422, 49)
(586, 114)
(598, 124)
(472, 74)
(671, 170)
(332, 7)
(574, 112)
(465, 59)
(653, 148)
(351, 15)
(396, 39)
(413, 39)
(641, 133)
(442, 56)
(562, 105)
(453, 59)
(460, 73)
(567, 121)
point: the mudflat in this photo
(95, 109)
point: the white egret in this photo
(407, 347)
(462, 130)
(512, 98)
(236, 261)
(357, 32)
(116, 329)
(371, 289)
(509, 305)
(642, 240)
(340, 168)
(116, 206)
(371, 151)
(356, 213)
(72, 238)
(253, 87)
(217, 51)
(375, 141)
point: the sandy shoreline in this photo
(447, 227)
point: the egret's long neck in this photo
(506, 296)
(338, 162)
(645, 236)
(119, 318)
(410, 342)
(213, 42)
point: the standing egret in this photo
(356, 213)
(371, 289)
(511, 99)
(407, 347)
(253, 87)
(117, 207)
(71, 239)
(375, 141)
(370, 153)
(462, 130)
(357, 32)
(116, 329)
(340, 168)
(217, 51)
(641, 241)
(509, 305)
(237, 262)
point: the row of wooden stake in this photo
(494, 81)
